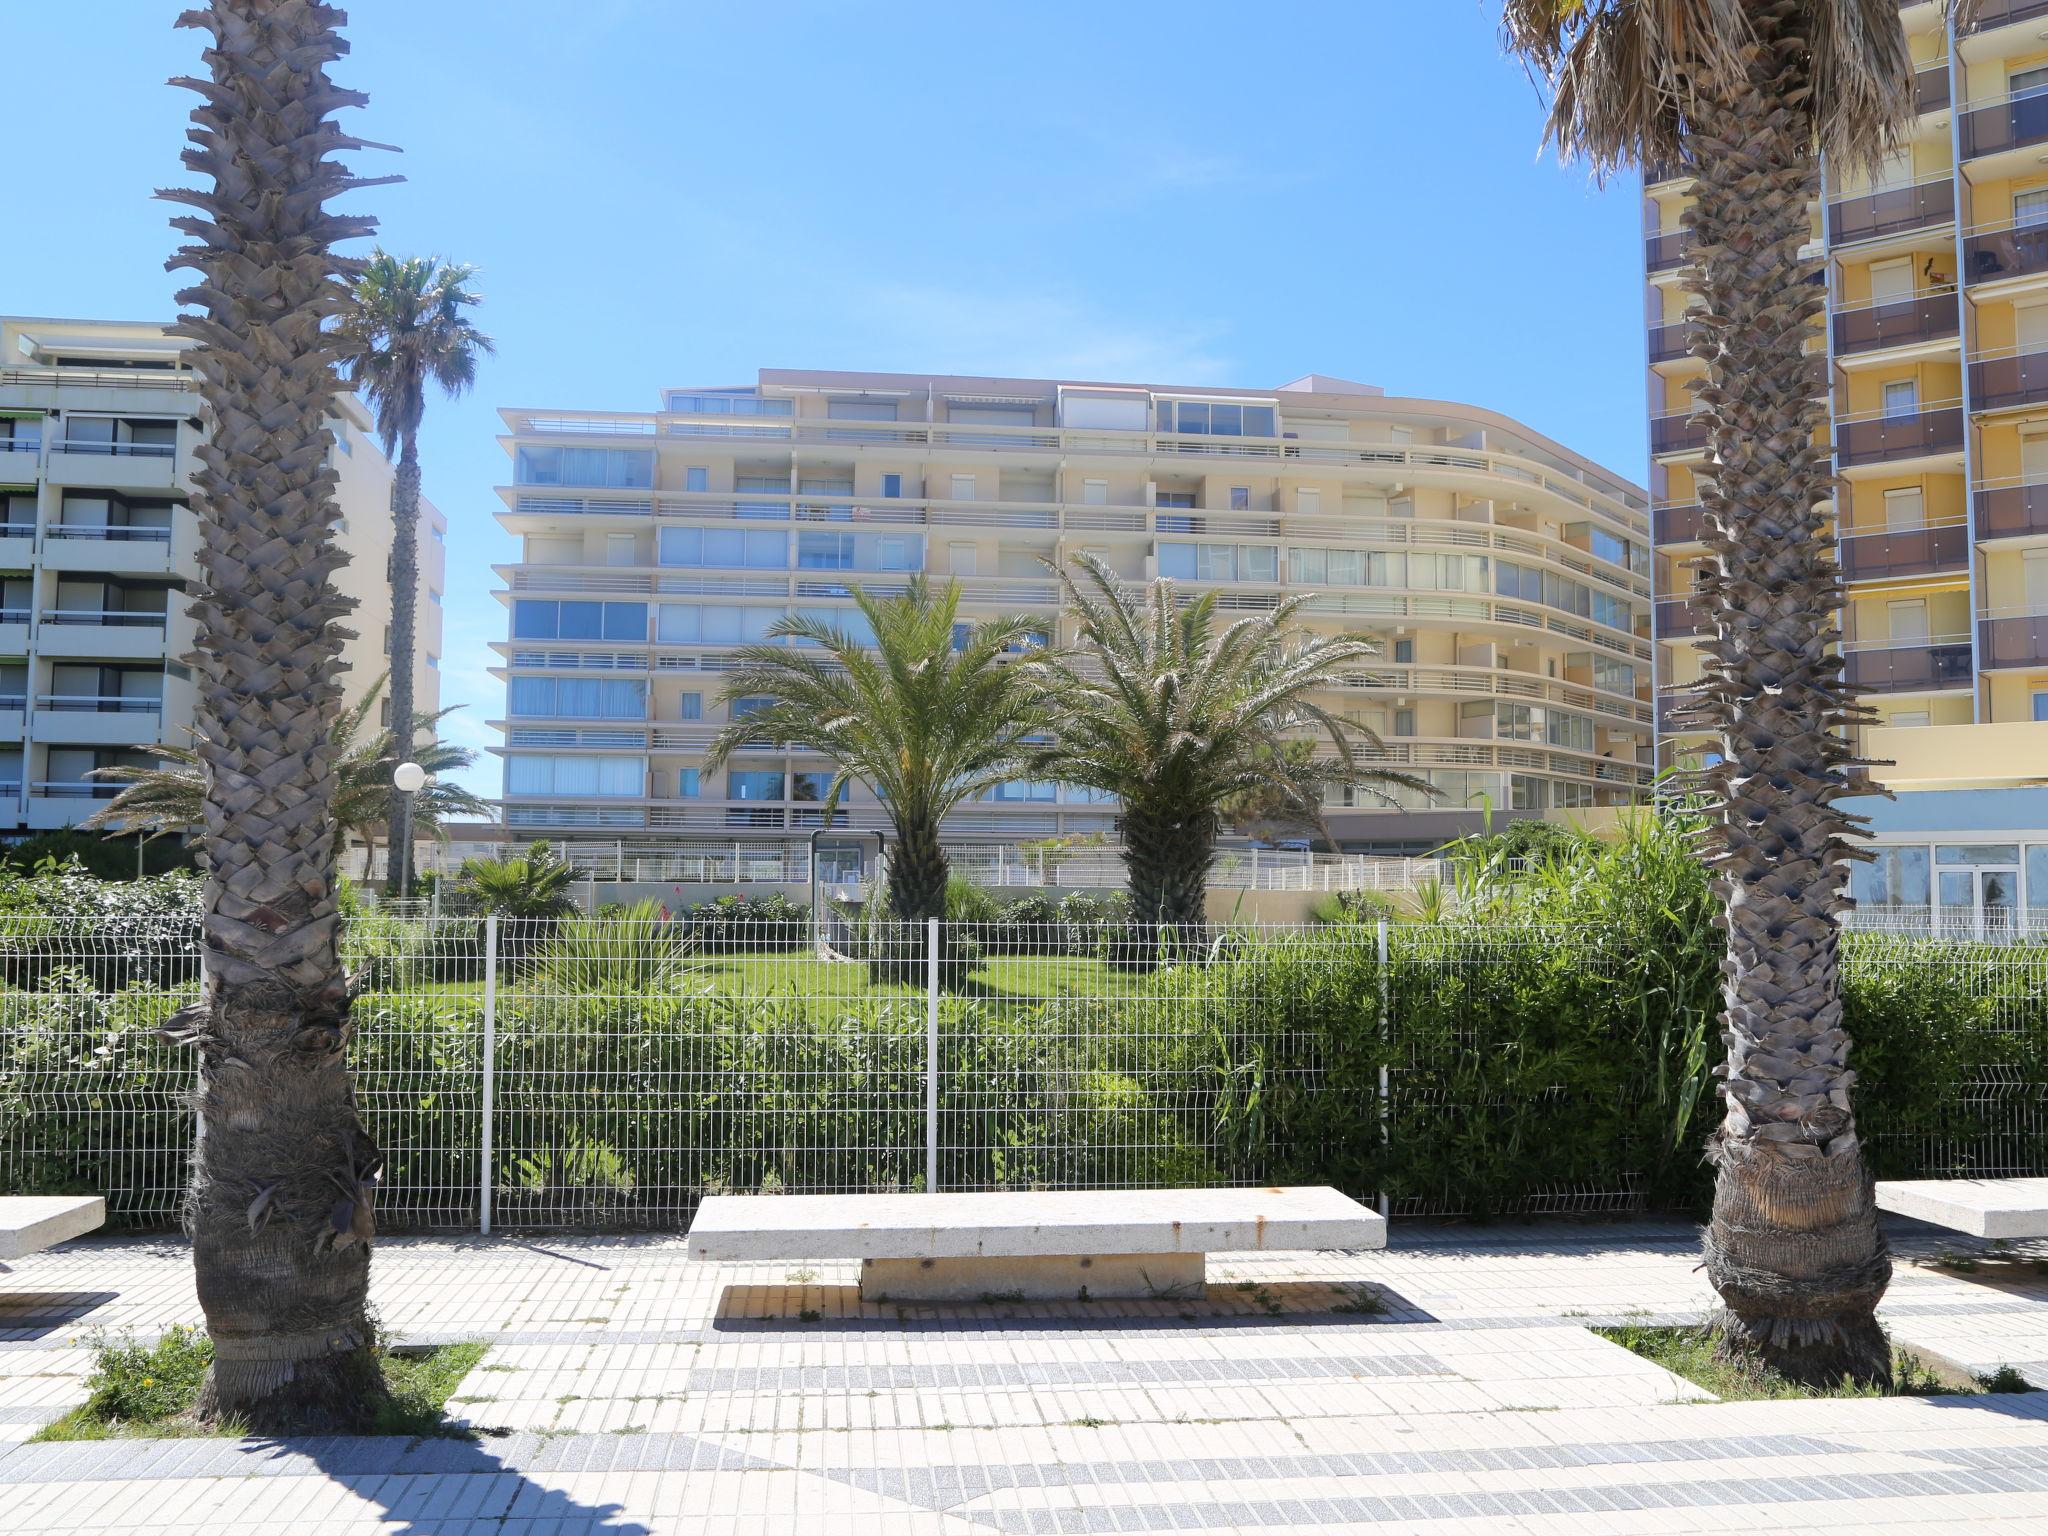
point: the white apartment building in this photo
(98, 427)
(1506, 578)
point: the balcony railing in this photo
(1920, 666)
(111, 533)
(1678, 523)
(1930, 88)
(1666, 252)
(1892, 210)
(1897, 324)
(2012, 637)
(1904, 551)
(2017, 378)
(13, 701)
(1680, 616)
(98, 449)
(2004, 13)
(13, 615)
(1668, 343)
(2003, 251)
(2011, 509)
(74, 789)
(2009, 123)
(1677, 433)
(98, 378)
(1880, 437)
(107, 617)
(99, 704)
(17, 530)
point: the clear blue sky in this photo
(662, 193)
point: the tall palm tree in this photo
(283, 1173)
(172, 797)
(1749, 94)
(925, 718)
(1184, 721)
(405, 330)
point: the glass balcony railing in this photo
(2002, 13)
(1892, 210)
(110, 618)
(1930, 87)
(2011, 123)
(1679, 616)
(1677, 524)
(2012, 638)
(1677, 433)
(122, 450)
(99, 704)
(2011, 510)
(1904, 551)
(1921, 666)
(1668, 342)
(1902, 322)
(2012, 250)
(1666, 252)
(1883, 437)
(2019, 378)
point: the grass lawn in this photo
(142, 1393)
(1689, 1352)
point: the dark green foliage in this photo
(737, 922)
(102, 856)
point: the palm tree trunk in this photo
(279, 1210)
(1794, 1247)
(405, 585)
(918, 874)
(1167, 856)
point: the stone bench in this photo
(1990, 1208)
(31, 1223)
(1050, 1245)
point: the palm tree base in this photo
(1821, 1353)
(333, 1394)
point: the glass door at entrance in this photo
(1978, 889)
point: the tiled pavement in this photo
(628, 1391)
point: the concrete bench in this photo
(31, 1223)
(1039, 1245)
(2007, 1208)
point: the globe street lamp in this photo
(407, 779)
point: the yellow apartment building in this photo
(1935, 361)
(1506, 578)
(98, 542)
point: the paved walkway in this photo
(626, 1391)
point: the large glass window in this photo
(1219, 562)
(713, 624)
(753, 784)
(538, 774)
(1037, 791)
(1896, 877)
(858, 552)
(725, 548)
(578, 698)
(1216, 418)
(605, 467)
(727, 405)
(811, 785)
(545, 619)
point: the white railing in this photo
(97, 378)
(112, 618)
(112, 533)
(94, 448)
(104, 703)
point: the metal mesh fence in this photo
(608, 1072)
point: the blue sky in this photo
(662, 193)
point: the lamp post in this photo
(407, 779)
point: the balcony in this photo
(17, 546)
(1905, 322)
(20, 457)
(1678, 523)
(2012, 637)
(2004, 13)
(113, 466)
(2005, 251)
(97, 720)
(2011, 510)
(1666, 252)
(114, 550)
(1679, 616)
(1892, 211)
(2012, 122)
(1677, 433)
(1904, 551)
(1669, 343)
(1882, 438)
(2008, 379)
(1920, 666)
(94, 634)
(1930, 88)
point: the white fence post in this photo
(1387, 1037)
(490, 1066)
(931, 1056)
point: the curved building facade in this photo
(1506, 579)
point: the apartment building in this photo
(1935, 361)
(98, 427)
(1505, 577)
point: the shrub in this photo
(734, 922)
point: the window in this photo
(1032, 790)
(892, 486)
(1901, 397)
(1605, 546)
(1908, 619)
(858, 552)
(1240, 498)
(2028, 82)
(690, 706)
(619, 549)
(713, 624)
(1910, 718)
(1095, 493)
(577, 698)
(1404, 653)
(1308, 501)
(1404, 722)
(753, 784)
(2041, 713)
(606, 467)
(697, 478)
(689, 783)
(861, 410)
(728, 548)
(536, 619)
(1904, 510)
(2030, 208)
(1219, 562)
(433, 597)
(1216, 418)
(738, 403)
(610, 777)
(963, 487)
(433, 662)
(812, 785)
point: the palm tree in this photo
(1184, 722)
(532, 886)
(1749, 94)
(172, 798)
(406, 328)
(925, 718)
(283, 1173)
